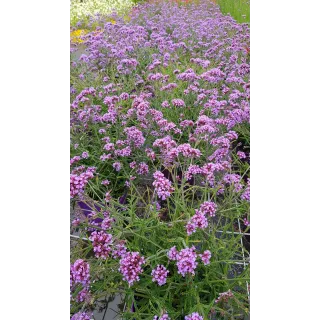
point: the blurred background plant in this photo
(238, 9)
(83, 9)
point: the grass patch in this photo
(238, 9)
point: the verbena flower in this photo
(101, 243)
(162, 185)
(208, 207)
(198, 220)
(165, 316)
(130, 266)
(241, 155)
(84, 295)
(205, 257)
(193, 316)
(79, 179)
(117, 166)
(172, 253)
(159, 275)
(82, 316)
(186, 261)
(119, 249)
(246, 222)
(80, 272)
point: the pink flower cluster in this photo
(106, 223)
(165, 144)
(172, 253)
(119, 250)
(80, 272)
(198, 220)
(84, 295)
(143, 168)
(205, 257)
(134, 135)
(188, 152)
(162, 185)
(117, 166)
(246, 193)
(101, 243)
(208, 207)
(130, 266)
(233, 179)
(224, 296)
(192, 170)
(82, 316)
(186, 261)
(159, 275)
(178, 103)
(193, 316)
(79, 179)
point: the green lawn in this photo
(238, 9)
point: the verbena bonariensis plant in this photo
(160, 154)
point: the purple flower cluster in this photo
(205, 257)
(117, 166)
(193, 316)
(135, 135)
(80, 275)
(83, 295)
(178, 103)
(246, 193)
(82, 316)
(130, 266)
(208, 207)
(101, 244)
(162, 185)
(186, 261)
(80, 272)
(198, 220)
(159, 275)
(246, 222)
(165, 316)
(119, 250)
(172, 253)
(79, 179)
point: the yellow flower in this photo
(75, 35)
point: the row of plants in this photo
(83, 9)
(160, 162)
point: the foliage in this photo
(160, 159)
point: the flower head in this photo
(194, 316)
(162, 185)
(101, 243)
(159, 275)
(130, 266)
(205, 257)
(186, 261)
(80, 272)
